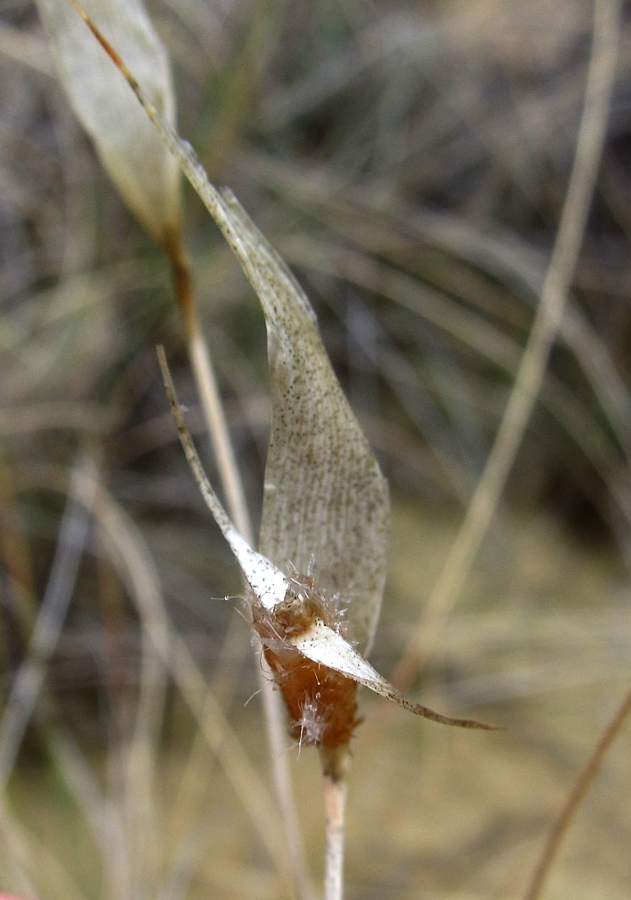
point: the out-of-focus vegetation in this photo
(410, 162)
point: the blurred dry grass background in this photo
(409, 160)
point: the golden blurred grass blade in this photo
(15, 853)
(131, 556)
(482, 337)
(132, 560)
(139, 795)
(523, 397)
(34, 861)
(584, 782)
(103, 816)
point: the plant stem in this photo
(216, 424)
(335, 763)
(335, 791)
(208, 390)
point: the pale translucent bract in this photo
(135, 158)
(325, 505)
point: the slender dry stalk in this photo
(16, 851)
(189, 806)
(524, 394)
(335, 791)
(585, 780)
(102, 814)
(208, 390)
(140, 776)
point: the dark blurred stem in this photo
(589, 773)
(29, 679)
(15, 555)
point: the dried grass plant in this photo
(414, 167)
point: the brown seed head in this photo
(321, 703)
